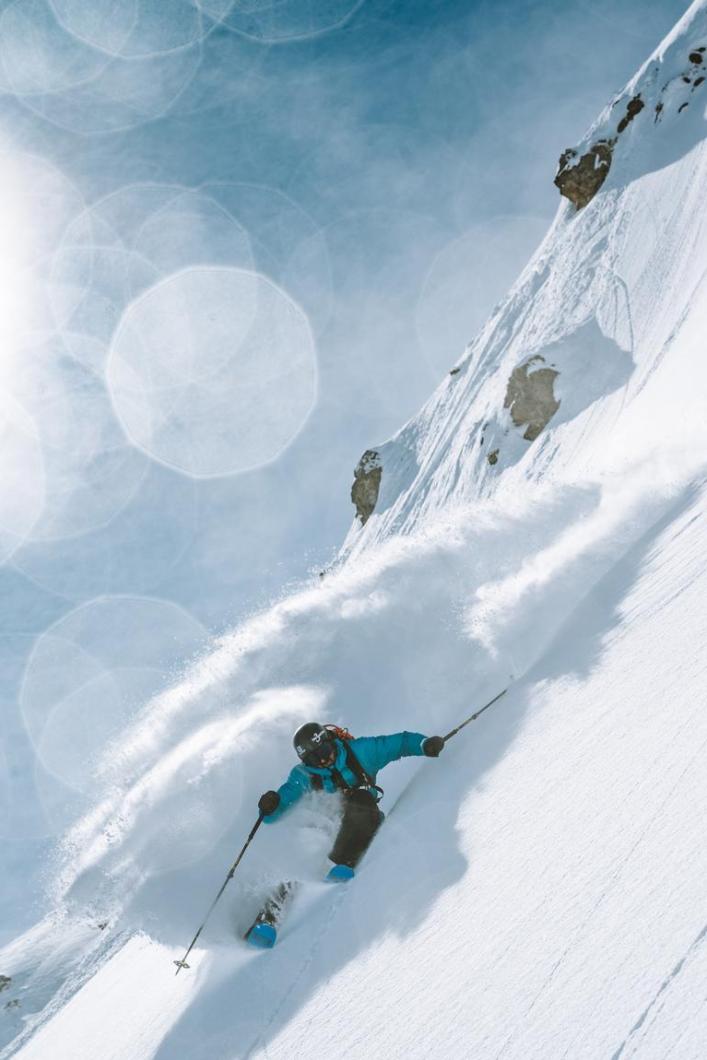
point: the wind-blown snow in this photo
(537, 892)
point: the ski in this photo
(263, 931)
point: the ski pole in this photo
(474, 716)
(183, 963)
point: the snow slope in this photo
(537, 892)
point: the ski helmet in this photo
(313, 743)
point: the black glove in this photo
(432, 746)
(268, 803)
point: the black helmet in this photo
(313, 743)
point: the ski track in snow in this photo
(322, 929)
(612, 879)
(657, 1002)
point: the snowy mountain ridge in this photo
(588, 382)
(538, 892)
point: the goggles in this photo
(318, 751)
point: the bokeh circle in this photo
(213, 371)
(92, 68)
(279, 21)
(23, 475)
(91, 672)
(128, 241)
(90, 470)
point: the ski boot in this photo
(263, 931)
(262, 935)
(340, 874)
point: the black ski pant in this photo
(360, 822)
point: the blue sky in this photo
(389, 177)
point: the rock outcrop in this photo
(579, 179)
(663, 86)
(635, 106)
(530, 397)
(366, 485)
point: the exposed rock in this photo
(682, 107)
(455, 371)
(634, 107)
(696, 56)
(530, 397)
(5, 981)
(579, 178)
(698, 81)
(493, 457)
(579, 181)
(366, 485)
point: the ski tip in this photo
(340, 874)
(263, 936)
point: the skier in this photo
(332, 760)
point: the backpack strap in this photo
(364, 779)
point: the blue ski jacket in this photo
(372, 752)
